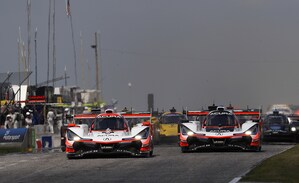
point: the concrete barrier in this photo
(17, 139)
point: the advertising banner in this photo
(12, 135)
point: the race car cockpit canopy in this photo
(220, 118)
(276, 118)
(113, 123)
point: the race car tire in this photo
(146, 155)
(259, 149)
(151, 153)
(184, 149)
(71, 156)
(256, 149)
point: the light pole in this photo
(95, 46)
(130, 95)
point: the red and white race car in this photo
(109, 134)
(221, 128)
(78, 119)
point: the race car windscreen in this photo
(276, 119)
(172, 119)
(111, 123)
(220, 120)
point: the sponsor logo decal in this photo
(12, 135)
(219, 132)
(108, 131)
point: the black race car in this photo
(276, 127)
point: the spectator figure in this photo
(86, 111)
(8, 122)
(50, 120)
(17, 119)
(125, 109)
(28, 120)
(67, 116)
(59, 121)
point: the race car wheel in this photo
(71, 156)
(151, 153)
(256, 149)
(259, 149)
(146, 155)
(184, 149)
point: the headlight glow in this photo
(189, 133)
(248, 132)
(138, 137)
(186, 131)
(293, 129)
(71, 136)
(143, 134)
(253, 130)
(76, 138)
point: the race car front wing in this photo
(238, 142)
(129, 147)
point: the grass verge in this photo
(279, 168)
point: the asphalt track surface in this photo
(167, 165)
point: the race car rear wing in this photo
(196, 115)
(143, 117)
(242, 114)
(248, 114)
(137, 115)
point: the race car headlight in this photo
(76, 138)
(71, 136)
(142, 135)
(138, 137)
(248, 132)
(186, 131)
(252, 131)
(293, 129)
(189, 133)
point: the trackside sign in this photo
(12, 135)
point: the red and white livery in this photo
(221, 128)
(109, 134)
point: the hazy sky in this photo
(187, 53)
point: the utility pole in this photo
(95, 46)
(54, 46)
(65, 77)
(48, 56)
(29, 36)
(35, 48)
